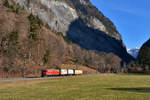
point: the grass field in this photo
(97, 87)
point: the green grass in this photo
(98, 87)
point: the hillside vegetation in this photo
(144, 54)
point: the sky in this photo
(131, 18)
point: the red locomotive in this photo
(50, 72)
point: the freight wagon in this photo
(78, 72)
(60, 72)
(71, 72)
(63, 72)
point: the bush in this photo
(59, 33)
(135, 70)
(46, 56)
(39, 21)
(47, 26)
(33, 36)
(13, 47)
(67, 40)
(6, 4)
(64, 37)
(13, 38)
(35, 23)
(15, 8)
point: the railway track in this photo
(37, 78)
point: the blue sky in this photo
(131, 17)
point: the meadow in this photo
(96, 87)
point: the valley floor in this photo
(96, 87)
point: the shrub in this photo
(59, 33)
(67, 40)
(64, 37)
(46, 56)
(6, 4)
(15, 8)
(39, 21)
(13, 38)
(33, 36)
(35, 23)
(13, 47)
(47, 26)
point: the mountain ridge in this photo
(144, 54)
(134, 52)
(58, 33)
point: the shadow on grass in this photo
(136, 74)
(140, 89)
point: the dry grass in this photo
(98, 87)
(87, 70)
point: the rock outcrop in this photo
(81, 22)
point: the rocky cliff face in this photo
(144, 54)
(60, 13)
(81, 22)
(48, 33)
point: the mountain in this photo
(81, 22)
(54, 32)
(144, 54)
(133, 52)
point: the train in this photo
(60, 72)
